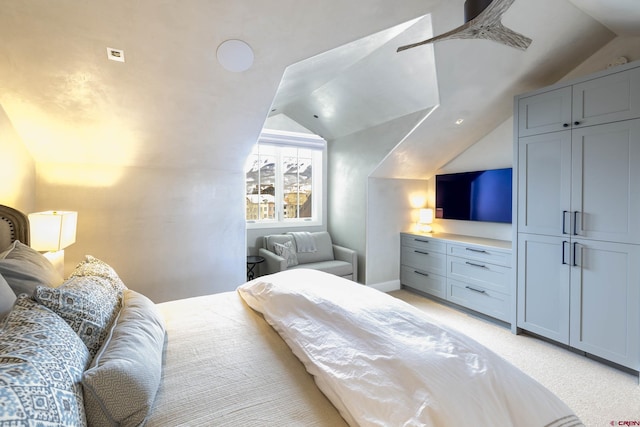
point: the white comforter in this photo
(382, 362)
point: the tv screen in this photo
(475, 196)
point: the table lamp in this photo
(51, 232)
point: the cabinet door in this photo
(605, 191)
(607, 99)
(544, 183)
(605, 301)
(545, 112)
(543, 286)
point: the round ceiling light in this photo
(235, 56)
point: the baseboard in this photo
(392, 285)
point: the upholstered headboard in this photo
(14, 225)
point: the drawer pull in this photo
(420, 252)
(480, 291)
(480, 251)
(476, 265)
(421, 240)
(421, 273)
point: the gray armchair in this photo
(282, 252)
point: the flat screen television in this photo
(475, 196)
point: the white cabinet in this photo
(578, 204)
(582, 182)
(601, 99)
(469, 271)
(605, 319)
(543, 286)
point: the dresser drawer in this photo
(489, 276)
(486, 301)
(424, 260)
(480, 253)
(425, 243)
(430, 283)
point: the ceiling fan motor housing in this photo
(473, 8)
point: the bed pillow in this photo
(7, 298)
(25, 268)
(41, 365)
(286, 251)
(92, 266)
(88, 304)
(129, 362)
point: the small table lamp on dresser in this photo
(51, 232)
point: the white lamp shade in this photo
(52, 230)
(426, 216)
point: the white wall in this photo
(389, 212)
(351, 161)
(17, 169)
(169, 233)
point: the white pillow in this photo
(25, 268)
(286, 251)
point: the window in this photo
(283, 180)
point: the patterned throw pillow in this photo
(286, 251)
(87, 304)
(41, 365)
(92, 266)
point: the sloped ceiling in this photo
(172, 105)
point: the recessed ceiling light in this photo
(459, 121)
(235, 56)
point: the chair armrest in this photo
(348, 255)
(272, 262)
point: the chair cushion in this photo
(324, 251)
(339, 268)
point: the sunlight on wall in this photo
(98, 141)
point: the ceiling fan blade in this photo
(487, 25)
(501, 34)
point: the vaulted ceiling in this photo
(171, 104)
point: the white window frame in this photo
(280, 138)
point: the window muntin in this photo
(283, 180)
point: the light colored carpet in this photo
(599, 394)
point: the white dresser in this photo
(472, 272)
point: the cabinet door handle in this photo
(575, 253)
(564, 221)
(564, 261)
(475, 265)
(575, 222)
(480, 251)
(420, 252)
(421, 273)
(576, 123)
(480, 291)
(565, 125)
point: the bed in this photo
(297, 348)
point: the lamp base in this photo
(424, 228)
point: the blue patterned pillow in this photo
(92, 266)
(87, 304)
(41, 365)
